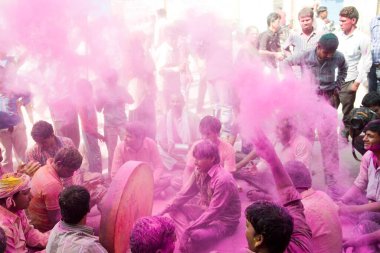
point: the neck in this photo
(83, 221)
(349, 32)
(377, 154)
(308, 31)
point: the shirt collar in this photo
(12, 217)
(144, 146)
(76, 228)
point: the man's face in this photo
(306, 23)
(22, 199)
(253, 35)
(250, 235)
(323, 14)
(346, 24)
(371, 141)
(323, 54)
(47, 143)
(133, 141)
(276, 25)
(204, 164)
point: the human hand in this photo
(279, 56)
(29, 169)
(354, 86)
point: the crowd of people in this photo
(47, 190)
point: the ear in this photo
(259, 240)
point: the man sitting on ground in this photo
(71, 233)
(219, 209)
(47, 184)
(14, 198)
(154, 234)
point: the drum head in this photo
(129, 197)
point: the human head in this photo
(74, 202)
(322, 12)
(43, 134)
(15, 191)
(327, 45)
(273, 21)
(252, 34)
(155, 234)
(285, 131)
(268, 226)
(210, 127)
(372, 136)
(206, 155)
(3, 240)
(66, 161)
(177, 102)
(372, 101)
(348, 18)
(134, 135)
(299, 174)
(306, 18)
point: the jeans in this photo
(374, 78)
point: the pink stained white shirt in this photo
(147, 153)
(226, 153)
(299, 149)
(368, 179)
(322, 216)
(19, 232)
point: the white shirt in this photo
(356, 48)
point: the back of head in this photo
(306, 12)
(3, 241)
(373, 126)
(136, 128)
(150, 234)
(74, 202)
(350, 12)
(206, 150)
(41, 130)
(272, 17)
(299, 174)
(321, 9)
(273, 222)
(210, 124)
(371, 99)
(68, 157)
(329, 42)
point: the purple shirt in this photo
(369, 176)
(218, 193)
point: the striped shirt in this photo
(375, 39)
(302, 42)
(73, 238)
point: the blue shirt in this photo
(9, 112)
(375, 39)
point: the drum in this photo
(129, 197)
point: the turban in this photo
(11, 183)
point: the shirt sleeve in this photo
(361, 180)
(365, 61)
(34, 238)
(117, 160)
(342, 70)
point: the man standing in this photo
(269, 42)
(355, 47)
(219, 209)
(323, 23)
(374, 74)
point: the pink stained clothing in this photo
(20, 233)
(147, 153)
(46, 186)
(226, 153)
(300, 241)
(299, 149)
(369, 176)
(322, 216)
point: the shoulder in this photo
(367, 158)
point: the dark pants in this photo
(347, 98)
(374, 78)
(330, 96)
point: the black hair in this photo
(329, 42)
(74, 202)
(371, 99)
(68, 157)
(373, 126)
(41, 130)
(350, 12)
(136, 129)
(206, 150)
(210, 124)
(271, 221)
(272, 17)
